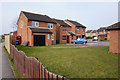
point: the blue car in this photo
(80, 41)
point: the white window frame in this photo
(64, 28)
(51, 26)
(78, 28)
(52, 36)
(35, 24)
(48, 36)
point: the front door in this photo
(39, 40)
(67, 39)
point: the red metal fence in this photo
(30, 67)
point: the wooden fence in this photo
(30, 67)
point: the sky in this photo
(91, 14)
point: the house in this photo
(102, 33)
(37, 29)
(62, 34)
(77, 29)
(114, 42)
(91, 34)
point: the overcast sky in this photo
(91, 14)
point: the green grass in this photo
(77, 62)
(16, 73)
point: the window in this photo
(64, 28)
(48, 36)
(104, 31)
(52, 36)
(78, 28)
(63, 37)
(21, 25)
(50, 26)
(82, 29)
(36, 24)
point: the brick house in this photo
(114, 42)
(77, 29)
(102, 33)
(37, 29)
(62, 35)
(91, 34)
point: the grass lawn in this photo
(77, 62)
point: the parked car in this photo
(80, 41)
(95, 39)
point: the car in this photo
(80, 41)
(95, 39)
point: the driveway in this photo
(5, 66)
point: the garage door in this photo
(39, 40)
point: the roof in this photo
(40, 30)
(102, 34)
(38, 17)
(115, 26)
(76, 23)
(94, 31)
(101, 29)
(61, 22)
(72, 33)
(88, 31)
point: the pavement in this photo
(98, 43)
(89, 44)
(5, 66)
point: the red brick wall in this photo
(114, 42)
(22, 32)
(26, 33)
(64, 33)
(44, 24)
(74, 28)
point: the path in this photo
(6, 66)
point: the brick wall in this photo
(24, 30)
(26, 33)
(114, 42)
(74, 28)
(44, 24)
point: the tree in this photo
(14, 24)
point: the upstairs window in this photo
(50, 26)
(104, 32)
(78, 28)
(36, 24)
(82, 29)
(64, 28)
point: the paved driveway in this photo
(5, 66)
